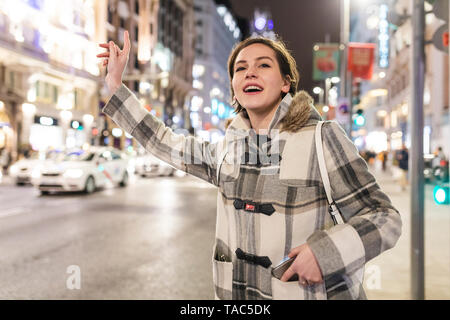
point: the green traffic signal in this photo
(441, 194)
(359, 120)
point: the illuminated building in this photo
(387, 97)
(48, 72)
(160, 66)
(217, 30)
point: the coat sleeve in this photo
(188, 154)
(372, 225)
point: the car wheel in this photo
(124, 181)
(44, 193)
(90, 185)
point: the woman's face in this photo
(257, 80)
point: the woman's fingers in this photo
(105, 62)
(126, 42)
(104, 45)
(295, 251)
(287, 274)
(112, 51)
(103, 55)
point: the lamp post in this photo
(345, 87)
(416, 155)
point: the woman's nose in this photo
(251, 72)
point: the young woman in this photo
(271, 199)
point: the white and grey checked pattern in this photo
(278, 168)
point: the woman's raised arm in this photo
(188, 154)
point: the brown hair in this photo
(288, 66)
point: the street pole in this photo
(345, 38)
(327, 90)
(416, 154)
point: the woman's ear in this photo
(287, 84)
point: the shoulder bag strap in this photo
(332, 209)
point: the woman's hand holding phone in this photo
(304, 265)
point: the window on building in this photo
(136, 61)
(110, 15)
(136, 7)
(122, 22)
(55, 94)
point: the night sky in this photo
(300, 23)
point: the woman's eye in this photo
(239, 69)
(265, 65)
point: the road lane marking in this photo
(13, 211)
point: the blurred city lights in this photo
(260, 23)
(317, 90)
(46, 121)
(28, 108)
(335, 80)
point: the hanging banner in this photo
(325, 61)
(360, 59)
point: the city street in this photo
(153, 240)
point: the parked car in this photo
(148, 165)
(21, 171)
(83, 171)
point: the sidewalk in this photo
(389, 275)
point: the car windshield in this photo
(79, 156)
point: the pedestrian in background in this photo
(5, 159)
(403, 159)
(440, 155)
(271, 201)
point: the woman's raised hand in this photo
(116, 61)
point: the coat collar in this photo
(292, 114)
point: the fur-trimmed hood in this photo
(292, 114)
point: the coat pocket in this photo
(222, 274)
(292, 290)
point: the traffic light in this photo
(441, 194)
(440, 36)
(358, 118)
(356, 93)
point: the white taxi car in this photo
(83, 171)
(148, 165)
(21, 171)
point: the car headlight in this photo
(13, 170)
(73, 173)
(36, 173)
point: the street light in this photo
(319, 91)
(335, 80)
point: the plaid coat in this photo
(271, 198)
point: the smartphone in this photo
(279, 270)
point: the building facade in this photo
(386, 99)
(159, 69)
(217, 31)
(48, 74)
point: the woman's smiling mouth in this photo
(252, 89)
